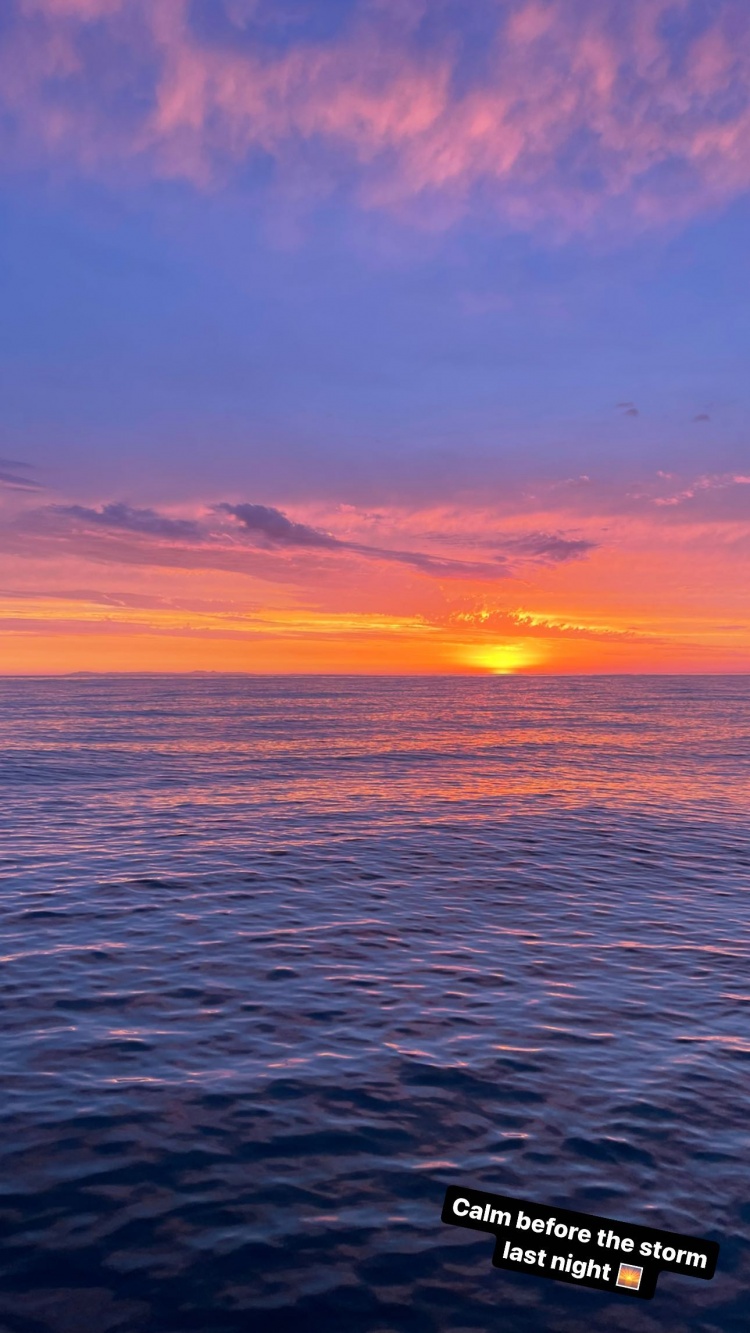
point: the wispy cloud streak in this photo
(15, 476)
(255, 537)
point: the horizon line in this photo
(380, 675)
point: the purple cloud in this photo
(549, 546)
(13, 474)
(252, 537)
(120, 517)
(265, 522)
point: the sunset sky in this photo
(375, 335)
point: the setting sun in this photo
(504, 659)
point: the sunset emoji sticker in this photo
(629, 1276)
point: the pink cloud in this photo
(256, 539)
(583, 108)
(80, 9)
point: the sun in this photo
(502, 659)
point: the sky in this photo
(374, 336)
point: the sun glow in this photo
(504, 659)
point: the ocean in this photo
(282, 958)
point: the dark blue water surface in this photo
(282, 958)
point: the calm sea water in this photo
(282, 958)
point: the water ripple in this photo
(281, 959)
